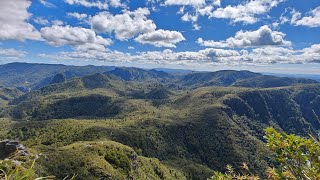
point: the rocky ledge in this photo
(8, 147)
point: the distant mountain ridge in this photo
(305, 76)
(26, 77)
(29, 76)
(218, 78)
(238, 78)
(265, 81)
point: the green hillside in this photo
(8, 94)
(272, 81)
(94, 125)
(137, 74)
(191, 126)
(238, 78)
(103, 160)
(219, 78)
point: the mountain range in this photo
(167, 124)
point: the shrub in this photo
(297, 158)
(118, 159)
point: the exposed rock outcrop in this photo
(8, 147)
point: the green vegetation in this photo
(296, 157)
(8, 171)
(191, 126)
(239, 79)
(147, 124)
(8, 94)
(219, 78)
(102, 159)
(231, 174)
(271, 81)
(137, 74)
(58, 78)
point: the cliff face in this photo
(294, 110)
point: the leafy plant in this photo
(231, 174)
(297, 157)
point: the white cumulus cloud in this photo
(211, 52)
(75, 36)
(47, 4)
(77, 15)
(12, 52)
(126, 25)
(13, 21)
(185, 2)
(246, 13)
(117, 3)
(264, 36)
(86, 3)
(311, 20)
(100, 4)
(203, 58)
(161, 38)
(41, 21)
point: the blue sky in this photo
(281, 36)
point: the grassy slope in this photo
(102, 159)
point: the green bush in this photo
(297, 157)
(118, 159)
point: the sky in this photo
(277, 36)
